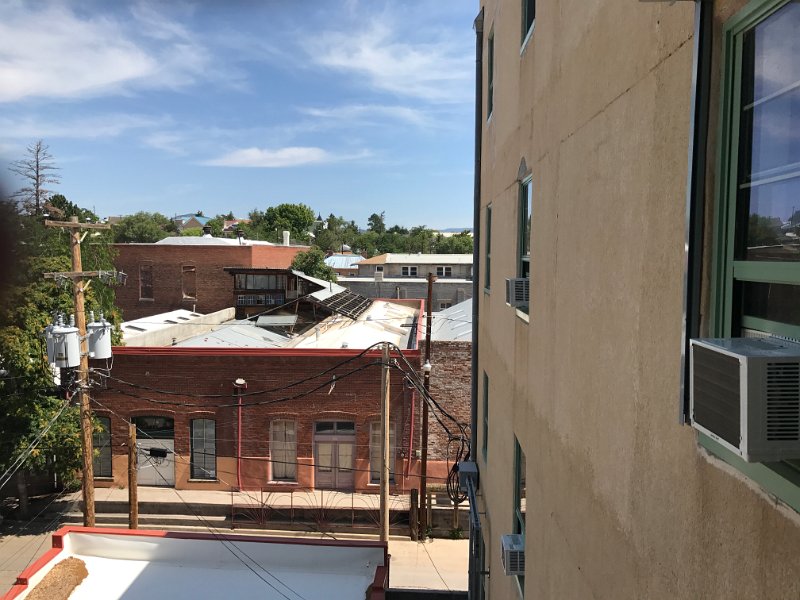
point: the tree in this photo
(297, 219)
(62, 209)
(460, 243)
(38, 171)
(142, 227)
(28, 396)
(312, 263)
(377, 222)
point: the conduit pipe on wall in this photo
(240, 384)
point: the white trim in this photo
(528, 36)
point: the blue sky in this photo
(351, 107)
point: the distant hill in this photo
(456, 229)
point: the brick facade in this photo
(213, 287)
(191, 372)
(451, 375)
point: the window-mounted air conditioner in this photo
(518, 290)
(513, 553)
(745, 394)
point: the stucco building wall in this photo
(621, 500)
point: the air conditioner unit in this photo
(513, 553)
(745, 394)
(518, 291)
(378, 275)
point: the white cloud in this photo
(55, 52)
(169, 142)
(438, 71)
(370, 114)
(292, 156)
(101, 126)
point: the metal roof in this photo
(191, 240)
(453, 324)
(343, 261)
(237, 334)
(345, 303)
(276, 321)
(419, 259)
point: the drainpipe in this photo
(695, 194)
(240, 384)
(476, 288)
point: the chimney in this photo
(207, 231)
(285, 238)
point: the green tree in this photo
(460, 243)
(28, 397)
(312, 263)
(143, 227)
(60, 208)
(298, 219)
(377, 222)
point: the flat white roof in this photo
(145, 565)
(419, 259)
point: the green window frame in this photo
(490, 75)
(203, 449)
(741, 267)
(485, 432)
(487, 277)
(101, 443)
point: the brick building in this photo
(188, 272)
(184, 401)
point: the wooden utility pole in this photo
(76, 275)
(423, 480)
(385, 445)
(133, 490)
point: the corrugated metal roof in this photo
(419, 259)
(329, 288)
(237, 334)
(453, 324)
(343, 261)
(276, 320)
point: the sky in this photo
(349, 106)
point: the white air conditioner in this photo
(513, 553)
(745, 394)
(378, 275)
(518, 291)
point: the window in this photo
(145, 282)
(487, 277)
(379, 268)
(490, 75)
(525, 206)
(485, 436)
(759, 209)
(444, 271)
(520, 504)
(283, 450)
(101, 442)
(528, 19)
(246, 281)
(189, 282)
(445, 305)
(408, 271)
(756, 281)
(204, 449)
(375, 452)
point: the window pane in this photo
(769, 147)
(772, 301)
(375, 452)
(283, 450)
(101, 442)
(345, 426)
(325, 427)
(203, 451)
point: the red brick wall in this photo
(450, 386)
(214, 285)
(354, 398)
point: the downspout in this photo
(473, 575)
(695, 194)
(476, 227)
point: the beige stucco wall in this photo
(622, 503)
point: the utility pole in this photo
(78, 288)
(426, 369)
(133, 490)
(385, 445)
